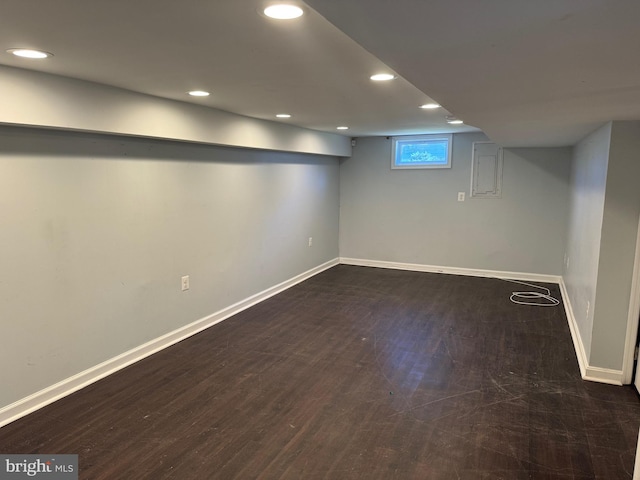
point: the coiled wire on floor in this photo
(533, 298)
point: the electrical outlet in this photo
(185, 283)
(310, 241)
(461, 196)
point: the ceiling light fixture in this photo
(28, 53)
(198, 93)
(429, 106)
(342, 128)
(454, 121)
(382, 77)
(283, 11)
(283, 115)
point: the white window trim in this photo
(416, 138)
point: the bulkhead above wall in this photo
(43, 100)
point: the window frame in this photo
(398, 141)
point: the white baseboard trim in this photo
(578, 346)
(72, 384)
(470, 272)
(594, 374)
(603, 375)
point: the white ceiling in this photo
(528, 73)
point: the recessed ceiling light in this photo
(283, 115)
(342, 128)
(429, 106)
(198, 93)
(454, 121)
(28, 53)
(382, 77)
(283, 11)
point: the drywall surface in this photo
(97, 232)
(43, 100)
(414, 216)
(588, 186)
(603, 226)
(617, 246)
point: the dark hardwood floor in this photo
(357, 373)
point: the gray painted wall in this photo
(97, 231)
(413, 216)
(617, 247)
(603, 226)
(588, 185)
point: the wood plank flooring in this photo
(357, 373)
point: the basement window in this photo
(424, 151)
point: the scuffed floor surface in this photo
(357, 373)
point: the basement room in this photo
(320, 239)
